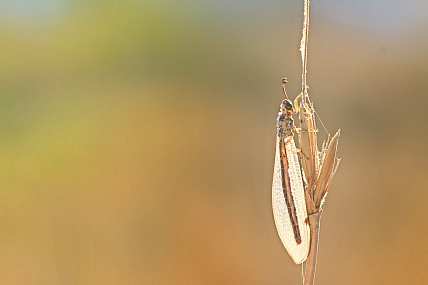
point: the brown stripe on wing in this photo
(286, 189)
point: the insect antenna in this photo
(284, 80)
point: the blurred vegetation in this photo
(137, 140)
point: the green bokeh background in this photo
(137, 140)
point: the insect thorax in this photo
(285, 125)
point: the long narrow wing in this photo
(298, 252)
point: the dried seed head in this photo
(329, 166)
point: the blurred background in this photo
(137, 140)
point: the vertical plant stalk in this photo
(311, 261)
(304, 47)
(318, 167)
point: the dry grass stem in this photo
(311, 262)
(318, 167)
(304, 46)
(308, 148)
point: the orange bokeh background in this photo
(137, 140)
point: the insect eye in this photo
(288, 106)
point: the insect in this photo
(288, 196)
